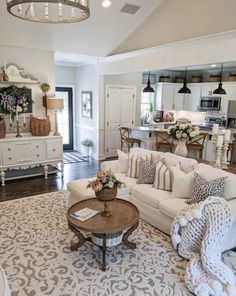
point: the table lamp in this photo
(55, 104)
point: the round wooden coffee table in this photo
(124, 218)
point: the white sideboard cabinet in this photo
(29, 152)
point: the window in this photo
(147, 105)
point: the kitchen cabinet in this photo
(208, 88)
(178, 103)
(230, 89)
(164, 96)
(168, 98)
(191, 101)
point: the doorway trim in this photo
(72, 86)
(106, 108)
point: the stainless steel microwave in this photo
(210, 103)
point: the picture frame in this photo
(87, 104)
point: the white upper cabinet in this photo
(178, 98)
(164, 96)
(168, 98)
(230, 89)
(208, 88)
(191, 101)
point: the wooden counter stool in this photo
(126, 139)
(197, 144)
(163, 140)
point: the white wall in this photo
(206, 50)
(87, 80)
(65, 75)
(38, 63)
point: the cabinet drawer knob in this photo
(54, 150)
(9, 149)
(37, 155)
(37, 146)
(10, 158)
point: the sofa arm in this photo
(110, 165)
(4, 286)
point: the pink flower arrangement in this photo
(105, 180)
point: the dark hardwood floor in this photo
(38, 185)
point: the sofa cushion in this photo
(123, 161)
(202, 189)
(210, 173)
(163, 177)
(186, 164)
(182, 184)
(78, 187)
(171, 207)
(147, 172)
(150, 195)
(134, 164)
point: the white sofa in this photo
(157, 207)
(4, 287)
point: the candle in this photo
(215, 128)
(5, 66)
(17, 116)
(24, 118)
(220, 140)
(10, 119)
(227, 135)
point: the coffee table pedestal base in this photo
(82, 240)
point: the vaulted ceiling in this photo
(97, 36)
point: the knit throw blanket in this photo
(198, 234)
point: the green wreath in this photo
(15, 100)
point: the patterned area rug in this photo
(34, 252)
(73, 157)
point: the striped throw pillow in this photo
(134, 164)
(163, 177)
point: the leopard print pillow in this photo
(147, 172)
(202, 188)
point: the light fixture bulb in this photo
(213, 65)
(106, 3)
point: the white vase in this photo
(87, 151)
(181, 149)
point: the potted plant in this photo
(105, 186)
(45, 88)
(87, 143)
(182, 133)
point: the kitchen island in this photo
(147, 135)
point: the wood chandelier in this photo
(50, 11)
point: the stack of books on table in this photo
(84, 214)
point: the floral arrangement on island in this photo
(105, 180)
(183, 132)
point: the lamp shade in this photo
(220, 90)
(148, 88)
(184, 89)
(55, 104)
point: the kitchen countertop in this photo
(153, 128)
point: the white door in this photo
(120, 111)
